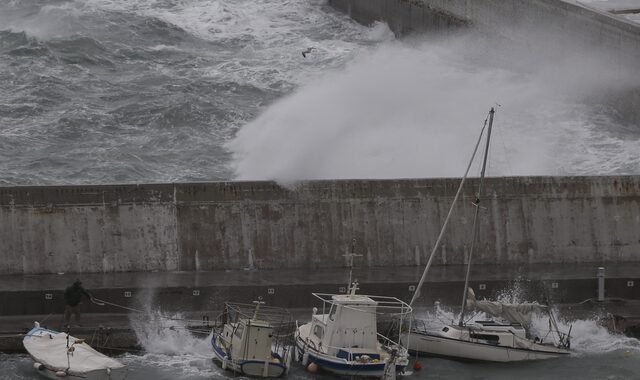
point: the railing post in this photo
(600, 276)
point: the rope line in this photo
(101, 302)
(12, 336)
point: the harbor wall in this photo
(526, 33)
(526, 22)
(262, 225)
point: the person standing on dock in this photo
(72, 298)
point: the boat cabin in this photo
(348, 330)
(248, 339)
(489, 332)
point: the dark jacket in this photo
(73, 294)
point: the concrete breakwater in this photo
(554, 31)
(524, 22)
(261, 225)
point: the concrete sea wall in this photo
(236, 225)
(532, 31)
(529, 23)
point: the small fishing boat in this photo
(252, 340)
(59, 355)
(344, 339)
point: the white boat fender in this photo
(38, 366)
(305, 358)
(224, 363)
(108, 371)
(61, 374)
(265, 370)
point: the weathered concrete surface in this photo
(292, 288)
(87, 229)
(526, 22)
(198, 296)
(236, 225)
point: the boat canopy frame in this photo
(391, 306)
(234, 312)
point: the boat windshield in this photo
(239, 330)
(332, 312)
(318, 331)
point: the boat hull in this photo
(116, 374)
(48, 349)
(340, 366)
(253, 368)
(434, 345)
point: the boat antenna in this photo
(258, 303)
(475, 218)
(416, 294)
(350, 257)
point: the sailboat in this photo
(506, 339)
(343, 339)
(251, 342)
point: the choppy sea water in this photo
(133, 91)
(177, 354)
(102, 91)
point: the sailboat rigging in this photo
(484, 340)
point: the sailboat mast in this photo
(475, 218)
(416, 294)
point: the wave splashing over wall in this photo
(414, 109)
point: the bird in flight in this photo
(309, 50)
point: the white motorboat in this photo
(251, 340)
(344, 339)
(59, 355)
(493, 341)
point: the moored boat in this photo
(59, 355)
(507, 340)
(343, 339)
(251, 340)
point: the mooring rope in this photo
(101, 302)
(12, 336)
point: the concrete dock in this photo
(188, 291)
(199, 296)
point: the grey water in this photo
(150, 91)
(137, 91)
(177, 354)
(613, 366)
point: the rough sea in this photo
(176, 354)
(143, 91)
